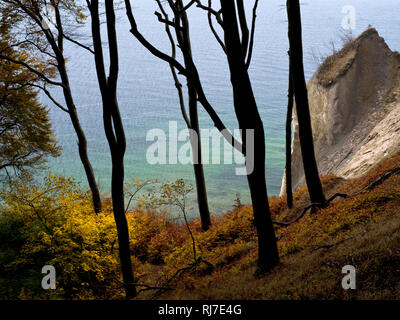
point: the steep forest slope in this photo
(355, 108)
(362, 231)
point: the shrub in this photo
(55, 224)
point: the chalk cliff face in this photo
(355, 109)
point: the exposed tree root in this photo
(179, 273)
(328, 246)
(312, 206)
(315, 206)
(148, 287)
(383, 178)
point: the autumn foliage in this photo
(55, 224)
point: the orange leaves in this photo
(86, 247)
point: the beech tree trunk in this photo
(57, 45)
(198, 164)
(248, 117)
(302, 105)
(289, 116)
(82, 142)
(184, 42)
(114, 132)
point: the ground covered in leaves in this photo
(55, 224)
(363, 231)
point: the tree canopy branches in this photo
(26, 138)
(39, 28)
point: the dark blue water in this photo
(148, 98)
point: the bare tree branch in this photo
(134, 30)
(21, 43)
(185, 8)
(167, 22)
(49, 95)
(192, 74)
(40, 74)
(210, 10)
(253, 28)
(215, 33)
(178, 85)
(78, 43)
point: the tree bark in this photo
(82, 142)
(184, 42)
(197, 157)
(118, 199)
(302, 105)
(289, 116)
(248, 117)
(58, 49)
(115, 134)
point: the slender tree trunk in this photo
(117, 193)
(83, 154)
(184, 41)
(114, 132)
(197, 157)
(247, 114)
(289, 116)
(302, 105)
(82, 142)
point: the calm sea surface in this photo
(148, 98)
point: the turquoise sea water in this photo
(148, 98)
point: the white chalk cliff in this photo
(355, 109)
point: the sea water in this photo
(148, 99)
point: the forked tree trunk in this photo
(114, 132)
(248, 117)
(302, 105)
